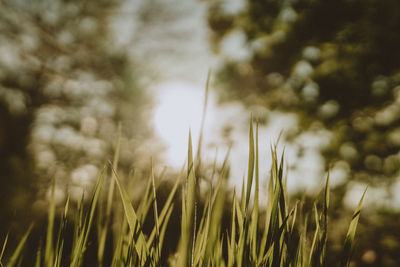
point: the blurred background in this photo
(323, 74)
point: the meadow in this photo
(213, 226)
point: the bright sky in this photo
(179, 107)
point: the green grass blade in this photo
(216, 217)
(82, 236)
(203, 118)
(294, 216)
(93, 205)
(242, 196)
(282, 188)
(186, 242)
(168, 203)
(255, 212)
(326, 201)
(268, 257)
(251, 163)
(157, 223)
(121, 244)
(49, 252)
(240, 250)
(202, 240)
(133, 222)
(315, 239)
(145, 204)
(268, 214)
(274, 220)
(241, 241)
(164, 225)
(38, 261)
(104, 228)
(115, 167)
(239, 215)
(303, 243)
(324, 236)
(60, 239)
(17, 252)
(3, 247)
(292, 239)
(348, 243)
(232, 245)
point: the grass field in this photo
(210, 234)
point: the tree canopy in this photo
(64, 85)
(335, 63)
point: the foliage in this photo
(64, 84)
(335, 62)
(273, 235)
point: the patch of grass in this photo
(275, 234)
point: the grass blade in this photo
(164, 225)
(49, 252)
(83, 232)
(348, 243)
(203, 118)
(17, 252)
(38, 261)
(157, 225)
(4, 247)
(186, 242)
(104, 227)
(255, 212)
(163, 215)
(232, 245)
(251, 163)
(216, 217)
(133, 222)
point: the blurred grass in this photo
(275, 234)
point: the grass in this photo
(274, 234)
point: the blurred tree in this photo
(335, 62)
(64, 85)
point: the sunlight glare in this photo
(179, 108)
